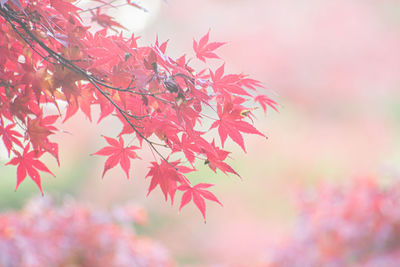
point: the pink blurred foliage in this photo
(43, 234)
(357, 225)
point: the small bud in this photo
(171, 85)
(154, 66)
(127, 56)
(145, 100)
(246, 112)
(180, 98)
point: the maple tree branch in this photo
(97, 7)
(123, 114)
(130, 83)
(128, 89)
(70, 65)
(109, 5)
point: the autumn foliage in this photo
(355, 225)
(50, 58)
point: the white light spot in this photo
(132, 18)
(21, 59)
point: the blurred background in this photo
(333, 66)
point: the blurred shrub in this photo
(72, 235)
(358, 225)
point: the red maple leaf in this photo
(20, 107)
(28, 163)
(231, 83)
(38, 130)
(204, 49)
(66, 80)
(167, 177)
(35, 78)
(197, 193)
(106, 52)
(106, 108)
(10, 136)
(117, 153)
(105, 20)
(216, 157)
(83, 101)
(264, 101)
(230, 124)
(64, 7)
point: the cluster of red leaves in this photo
(357, 225)
(43, 234)
(48, 57)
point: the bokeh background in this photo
(334, 68)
